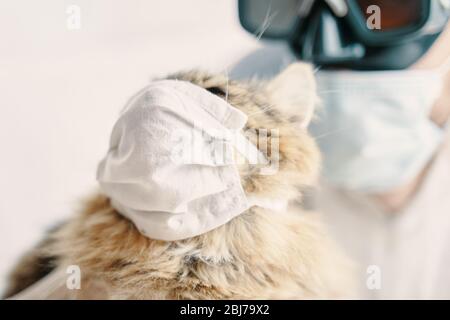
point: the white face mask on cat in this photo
(171, 189)
(374, 131)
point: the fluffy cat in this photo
(257, 255)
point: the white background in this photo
(61, 91)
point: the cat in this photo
(257, 255)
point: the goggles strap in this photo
(339, 7)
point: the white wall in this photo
(61, 90)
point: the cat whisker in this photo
(227, 86)
(326, 134)
(328, 91)
(266, 23)
(263, 110)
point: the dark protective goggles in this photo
(356, 34)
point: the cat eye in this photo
(217, 91)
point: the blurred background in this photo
(66, 70)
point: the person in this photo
(384, 84)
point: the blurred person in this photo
(384, 82)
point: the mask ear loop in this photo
(443, 70)
(445, 67)
(249, 150)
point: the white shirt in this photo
(410, 249)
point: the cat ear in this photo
(293, 91)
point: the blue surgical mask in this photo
(374, 128)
